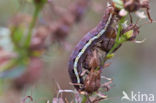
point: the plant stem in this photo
(117, 40)
(31, 26)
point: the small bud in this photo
(118, 4)
(123, 12)
(129, 34)
(109, 56)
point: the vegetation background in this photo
(133, 68)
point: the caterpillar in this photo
(86, 44)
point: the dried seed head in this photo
(92, 81)
(144, 4)
(131, 5)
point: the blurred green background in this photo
(133, 68)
